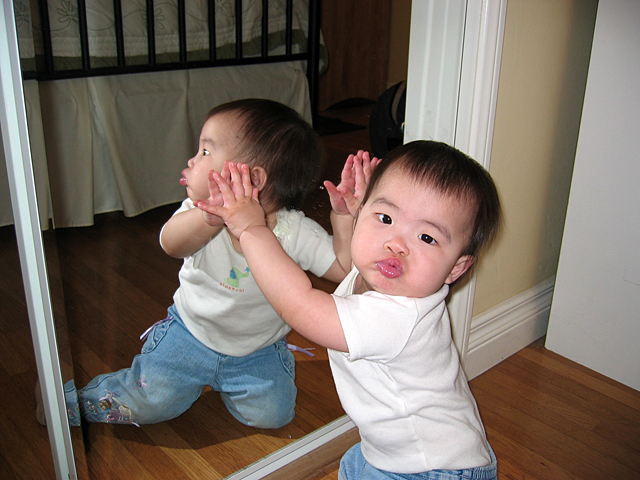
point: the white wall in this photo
(595, 312)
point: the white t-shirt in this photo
(402, 384)
(220, 302)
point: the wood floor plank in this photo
(6, 469)
(187, 459)
(620, 424)
(583, 375)
(532, 464)
(550, 442)
(110, 456)
(496, 388)
(23, 441)
(12, 359)
(511, 470)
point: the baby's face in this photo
(219, 141)
(409, 238)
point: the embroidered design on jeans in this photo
(235, 275)
(139, 383)
(118, 412)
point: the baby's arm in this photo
(187, 232)
(345, 202)
(309, 311)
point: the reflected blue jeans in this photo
(167, 377)
(353, 466)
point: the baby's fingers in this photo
(235, 178)
(348, 166)
(369, 165)
(225, 188)
(241, 180)
(249, 189)
(225, 172)
(335, 197)
(208, 207)
(214, 190)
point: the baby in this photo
(220, 330)
(419, 226)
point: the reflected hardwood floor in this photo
(546, 417)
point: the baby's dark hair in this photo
(276, 138)
(453, 173)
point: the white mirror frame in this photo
(454, 64)
(15, 137)
(454, 67)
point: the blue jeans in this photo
(169, 375)
(353, 466)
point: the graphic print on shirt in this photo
(233, 280)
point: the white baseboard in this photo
(507, 328)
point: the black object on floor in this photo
(351, 103)
(330, 125)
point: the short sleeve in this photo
(187, 204)
(377, 327)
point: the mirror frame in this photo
(464, 116)
(15, 137)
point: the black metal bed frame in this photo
(47, 70)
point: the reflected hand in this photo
(240, 207)
(215, 198)
(356, 173)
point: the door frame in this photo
(455, 52)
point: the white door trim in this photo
(454, 65)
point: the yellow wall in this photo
(542, 80)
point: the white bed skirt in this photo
(120, 142)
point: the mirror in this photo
(475, 106)
(111, 281)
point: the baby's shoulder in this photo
(295, 222)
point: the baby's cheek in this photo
(359, 250)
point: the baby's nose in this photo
(397, 246)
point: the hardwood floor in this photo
(546, 417)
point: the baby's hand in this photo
(347, 196)
(215, 198)
(241, 208)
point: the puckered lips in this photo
(390, 267)
(183, 180)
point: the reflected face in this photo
(219, 141)
(409, 238)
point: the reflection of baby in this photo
(221, 331)
(417, 228)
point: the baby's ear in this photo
(460, 268)
(258, 177)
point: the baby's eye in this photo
(384, 218)
(205, 152)
(427, 239)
